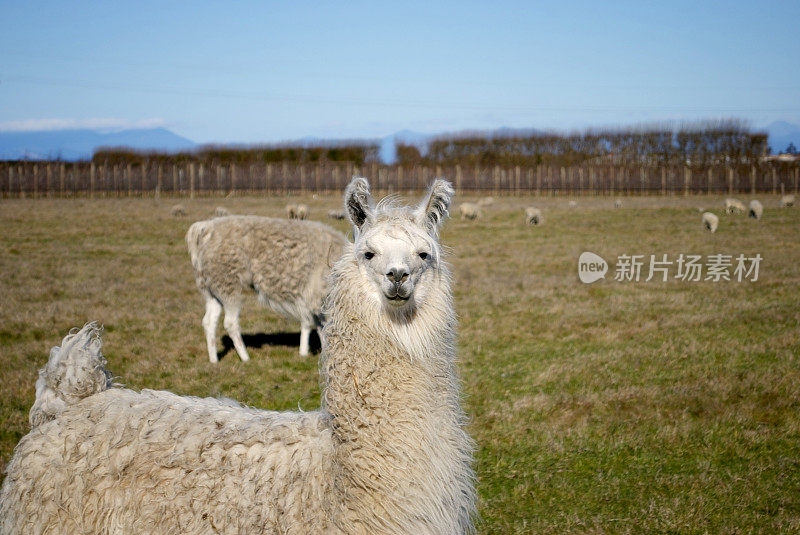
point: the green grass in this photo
(612, 407)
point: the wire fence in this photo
(84, 179)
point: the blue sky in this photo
(267, 71)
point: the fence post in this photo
(91, 180)
(516, 180)
(663, 180)
(753, 179)
(796, 172)
(710, 178)
(730, 180)
(774, 181)
(159, 178)
(10, 179)
(35, 180)
(60, 180)
(538, 180)
(191, 180)
(643, 180)
(48, 180)
(685, 181)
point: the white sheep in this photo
(618, 203)
(387, 452)
(486, 201)
(302, 211)
(572, 204)
(756, 210)
(787, 201)
(177, 210)
(533, 216)
(734, 206)
(221, 211)
(336, 214)
(291, 211)
(470, 210)
(710, 221)
(285, 262)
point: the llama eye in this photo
(423, 255)
(368, 255)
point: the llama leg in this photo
(305, 334)
(213, 311)
(231, 323)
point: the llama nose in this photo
(397, 275)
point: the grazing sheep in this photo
(221, 211)
(734, 206)
(470, 210)
(787, 201)
(302, 211)
(177, 211)
(533, 216)
(618, 203)
(756, 210)
(387, 452)
(336, 214)
(486, 201)
(572, 204)
(710, 221)
(291, 211)
(285, 262)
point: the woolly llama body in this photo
(386, 453)
(734, 206)
(710, 221)
(533, 216)
(285, 262)
(756, 209)
(470, 210)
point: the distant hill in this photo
(781, 134)
(80, 144)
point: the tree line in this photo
(697, 144)
(357, 153)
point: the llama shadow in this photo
(259, 340)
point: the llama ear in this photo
(357, 201)
(433, 208)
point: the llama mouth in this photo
(397, 298)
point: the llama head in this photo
(396, 248)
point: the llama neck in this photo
(402, 456)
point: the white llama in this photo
(284, 261)
(386, 453)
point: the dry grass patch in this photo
(604, 408)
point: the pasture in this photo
(614, 407)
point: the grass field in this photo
(616, 407)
